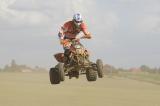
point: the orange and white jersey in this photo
(69, 30)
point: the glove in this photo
(88, 36)
(61, 41)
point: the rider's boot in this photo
(66, 60)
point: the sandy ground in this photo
(34, 89)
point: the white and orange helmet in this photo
(77, 18)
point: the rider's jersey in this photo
(70, 31)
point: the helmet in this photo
(77, 18)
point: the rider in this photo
(70, 30)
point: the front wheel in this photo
(99, 68)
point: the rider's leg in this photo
(66, 55)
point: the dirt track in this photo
(34, 89)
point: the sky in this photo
(126, 33)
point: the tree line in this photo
(143, 68)
(14, 67)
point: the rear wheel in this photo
(91, 75)
(99, 68)
(54, 76)
(61, 71)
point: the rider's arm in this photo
(87, 35)
(61, 35)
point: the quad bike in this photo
(78, 64)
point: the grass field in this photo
(34, 89)
(141, 76)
